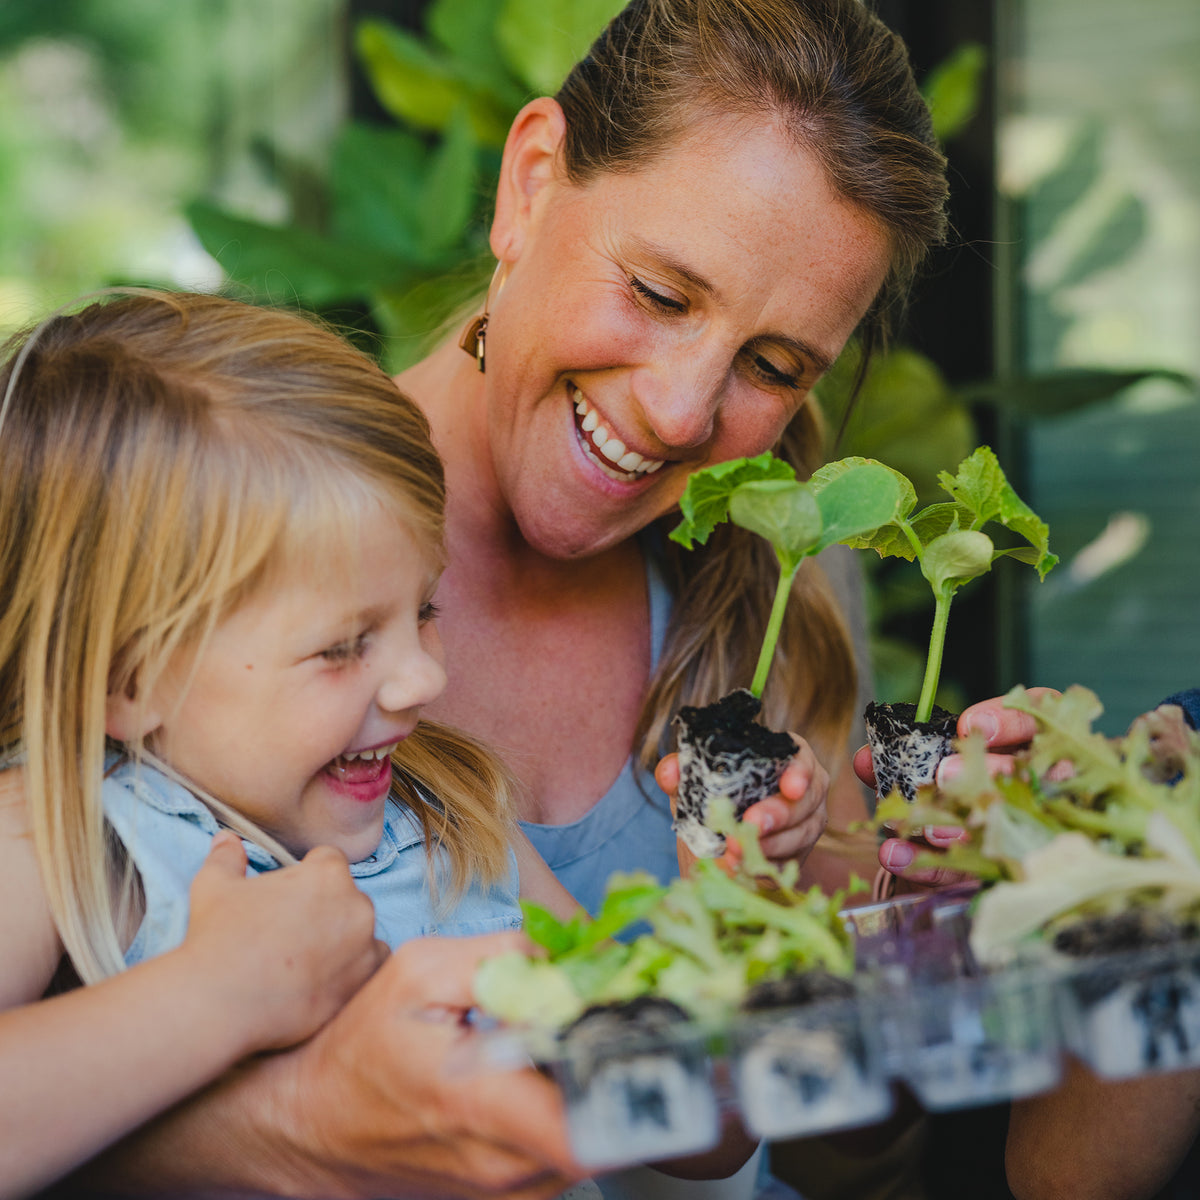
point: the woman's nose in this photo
(681, 396)
(413, 679)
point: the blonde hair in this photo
(842, 85)
(160, 456)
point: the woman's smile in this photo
(600, 442)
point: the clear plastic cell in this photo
(1133, 1013)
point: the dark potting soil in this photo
(727, 726)
(805, 987)
(905, 752)
(1134, 929)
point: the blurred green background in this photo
(339, 154)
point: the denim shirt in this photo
(168, 832)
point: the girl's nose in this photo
(414, 679)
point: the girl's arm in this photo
(265, 963)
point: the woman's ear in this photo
(128, 717)
(532, 161)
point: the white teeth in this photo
(613, 450)
(371, 755)
(612, 455)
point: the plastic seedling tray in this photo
(637, 1096)
(809, 1070)
(1133, 1013)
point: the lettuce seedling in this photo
(712, 938)
(1082, 825)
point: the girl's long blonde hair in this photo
(160, 456)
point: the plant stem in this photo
(767, 653)
(933, 662)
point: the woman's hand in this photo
(791, 820)
(1007, 731)
(392, 1097)
(282, 951)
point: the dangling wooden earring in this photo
(474, 338)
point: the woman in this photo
(720, 196)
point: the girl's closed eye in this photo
(428, 612)
(351, 650)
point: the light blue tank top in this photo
(629, 828)
(168, 832)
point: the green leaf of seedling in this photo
(526, 991)
(981, 486)
(784, 512)
(544, 928)
(705, 501)
(955, 558)
(822, 477)
(628, 898)
(859, 500)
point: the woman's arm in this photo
(539, 883)
(1102, 1139)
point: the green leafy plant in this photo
(948, 542)
(713, 937)
(1084, 825)
(799, 519)
(863, 504)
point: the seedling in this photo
(799, 519)
(864, 504)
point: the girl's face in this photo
(657, 321)
(292, 708)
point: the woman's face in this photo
(655, 322)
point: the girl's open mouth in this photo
(604, 448)
(364, 775)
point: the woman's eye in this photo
(347, 651)
(428, 612)
(666, 303)
(774, 375)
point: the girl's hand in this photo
(791, 820)
(283, 950)
(1007, 731)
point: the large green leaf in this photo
(286, 263)
(425, 88)
(466, 30)
(451, 187)
(375, 179)
(954, 88)
(541, 40)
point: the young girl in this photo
(220, 534)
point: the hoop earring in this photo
(474, 338)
